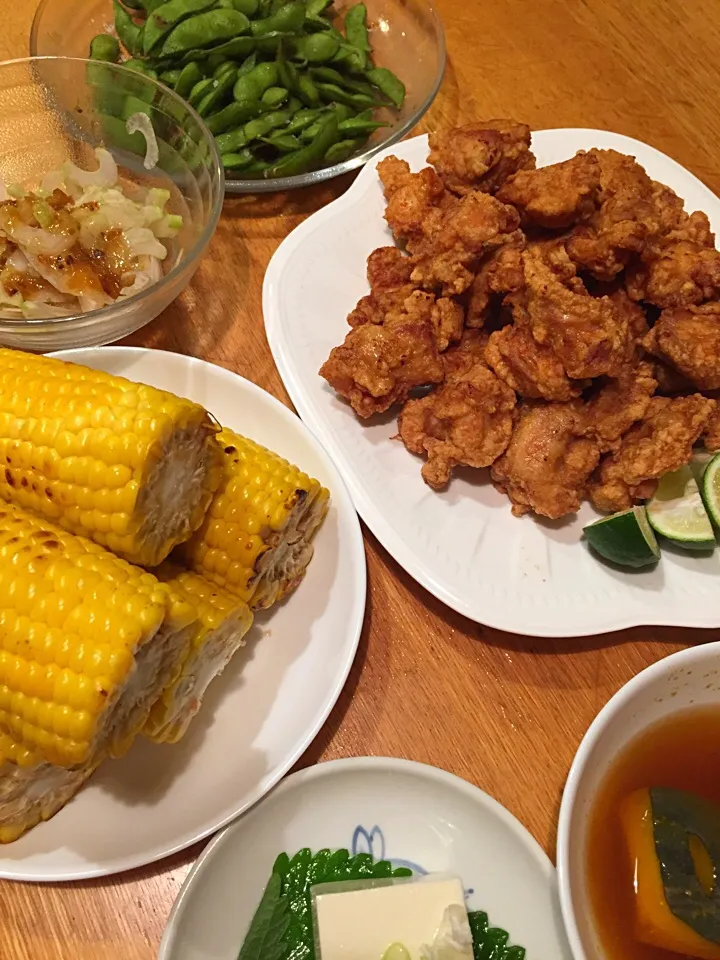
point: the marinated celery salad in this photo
(80, 241)
(283, 927)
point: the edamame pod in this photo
(356, 32)
(203, 30)
(189, 76)
(288, 19)
(167, 16)
(387, 83)
(339, 152)
(214, 98)
(106, 48)
(307, 158)
(201, 88)
(233, 116)
(316, 47)
(125, 27)
(252, 85)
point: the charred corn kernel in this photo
(255, 539)
(223, 621)
(77, 671)
(131, 467)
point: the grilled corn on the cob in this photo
(32, 790)
(255, 541)
(78, 670)
(131, 467)
(223, 622)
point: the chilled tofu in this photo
(360, 921)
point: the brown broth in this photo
(682, 751)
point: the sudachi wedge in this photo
(87, 642)
(256, 540)
(129, 466)
(223, 621)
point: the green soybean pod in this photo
(358, 127)
(237, 161)
(106, 48)
(139, 66)
(316, 7)
(304, 159)
(331, 75)
(203, 30)
(225, 68)
(283, 142)
(233, 116)
(387, 83)
(152, 5)
(356, 32)
(248, 64)
(261, 126)
(214, 98)
(201, 88)
(274, 97)
(288, 19)
(332, 93)
(125, 27)
(308, 91)
(170, 77)
(316, 47)
(338, 153)
(232, 141)
(252, 85)
(189, 76)
(168, 15)
(234, 49)
(301, 120)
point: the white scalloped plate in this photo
(267, 707)
(463, 545)
(412, 814)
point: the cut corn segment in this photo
(78, 673)
(32, 790)
(223, 623)
(131, 467)
(255, 541)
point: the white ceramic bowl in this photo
(689, 678)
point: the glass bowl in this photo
(406, 36)
(54, 109)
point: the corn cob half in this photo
(255, 541)
(32, 790)
(222, 625)
(131, 467)
(87, 642)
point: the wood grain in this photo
(503, 711)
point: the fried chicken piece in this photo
(547, 465)
(499, 273)
(466, 422)
(560, 195)
(711, 436)
(662, 441)
(379, 364)
(481, 155)
(618, 405)
(414, 199)
(632, 208)
(588, 335)
(448, 319)
(462, 356)
(670, 381)
(553, 252)
(471, 226)
(388, 273)
(529, 367)
(679, 269)
(689, 340)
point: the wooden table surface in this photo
(508, 711)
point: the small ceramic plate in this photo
(260, 716)
(463, 545)
(409, 813)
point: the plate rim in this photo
(329, 768)
(390, 538)
(340, 494)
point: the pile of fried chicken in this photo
(560, 325)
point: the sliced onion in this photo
(141, 123)
(149, 273)
(38, 241)
(106, 174)
(52, 182)
(143, 242)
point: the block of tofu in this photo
(407, 917)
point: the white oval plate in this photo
(406, 812)
(463, 545)
(260, 716)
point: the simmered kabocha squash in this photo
(674, 842)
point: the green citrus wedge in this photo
(625, 538)
(710, 488)
(396, 951)
(677, 512)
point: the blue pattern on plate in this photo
(373, 842)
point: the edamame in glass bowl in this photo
(111, 187)
(295, 91)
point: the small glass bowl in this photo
(406, 36)
(49, 113)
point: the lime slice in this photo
(396, 951)
(677, 512)
(625, 538)
(711, 489)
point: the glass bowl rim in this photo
(217, 174)
(278, 184)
